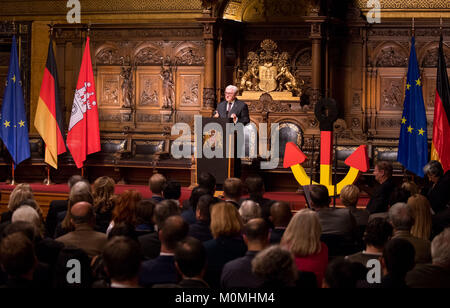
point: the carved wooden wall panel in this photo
(190, 83)
(148, 88)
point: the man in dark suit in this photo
(190, 262)
(232, 107)
(161, 270)
(379, 199)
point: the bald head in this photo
(280, 214)
(82, 212)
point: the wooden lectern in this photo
(220, 168)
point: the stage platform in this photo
(44, 194)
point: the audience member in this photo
(379, 199)
(162, 269)
(80, 192)
(238, 272)
(144, 217)
(400, 216)
(104, 200)
(122, 258)
(65, 267)
(150, 243)
(157, 183)
(378, 232)
(411, 187)
(84, 237)
(208, 181)
(421, 213)
(190, 207)
(200, 229)
(249, 209)
(343, 274)
(18, 260)
(276, 267)
(57, 206)
(436, 274)
(302, 238)
(280, 216)
(190, 262)
(397, 261)
(349, 197)
(256, 190)
(438, 192)
(29, 214)
(232, 191)
(125, 209)
(20, 193)
(172, 190)
(227, 245)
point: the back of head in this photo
(319, 196)
(434, 168)
(81, 191)
(164, 210)
(24, 227)
(281, 214)
(144, 212)
(82, 213)
(74, 179)
(232, 188)
(248, 210)
(398, 255)
(156, 183)
(378, 232)
(350, 195)
(400, 216)
(172, 190)
(123, 229)
(385, 166)
(256, 230)
(203, 207)
(122, 257)
(125, 209)
(225, 220)
(342, 274)
(68, 259)
(275, 265)
(440, 249)
(17, 254)
(103, 192)
(399, 194)
(196, 193)
(190, 257)
(302, 236)
(208, 181)
(21, 193)
(411, 187)
(421, 213)
(174, 230)
(28, 214)
(255, 186)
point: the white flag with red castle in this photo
(83, 137)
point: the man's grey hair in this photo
(164, 210)
(80, 187)
(275, 264)
(440, 249)
(433, 168)
(28, 214)
(232, 88)
(401, 216)
(249, 209)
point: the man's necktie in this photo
(228, 109)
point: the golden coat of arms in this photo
(269, 71)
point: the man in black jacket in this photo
(232, 107)
(379, 200)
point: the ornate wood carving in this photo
(391, 57)
(392, 97)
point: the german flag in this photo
(440, 148)
(48, 120)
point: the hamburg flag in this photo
(83, 137)
(413, 147)
(13, 119)
(440, 148)
(49, 120)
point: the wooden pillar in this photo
(209, 95)
(316, 66)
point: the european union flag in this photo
(413, 148)
(13, 119)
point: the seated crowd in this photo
(125, 241)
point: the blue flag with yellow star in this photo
(413, 147)
(13, 119)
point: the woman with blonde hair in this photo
(421, 210)
(302, 238)
(125, 209)
(104, 200)
(227, 243)
(20, 193)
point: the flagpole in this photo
(48, 180)
(13, 180)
